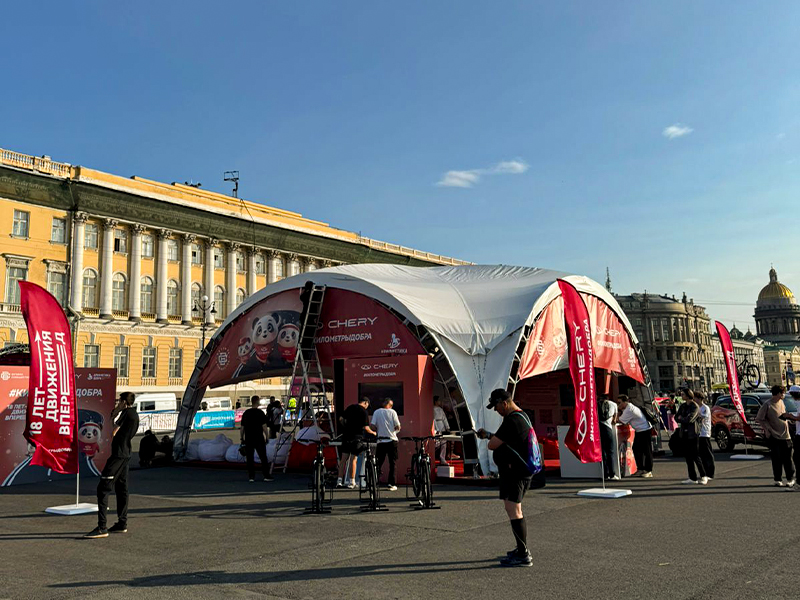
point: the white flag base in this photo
(604, 493)
(747, 456)
(68, 510)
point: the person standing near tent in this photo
(706, 452)
(355, 422)
(794, 392)
(607, 410)
(440, 427)
(688, 416)
(776, 431)
(642, 448)
(253, 437)
(510, 447)
(115, 473)
(386, 424)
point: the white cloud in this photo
(677, 130)
(780, 136)
(470, 177)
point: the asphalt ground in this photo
(203, 533)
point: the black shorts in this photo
(513, 488)
(353, 447)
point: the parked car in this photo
(726, 424)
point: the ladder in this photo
(307, 379)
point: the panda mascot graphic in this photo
(90, 431)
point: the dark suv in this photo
(726, 425)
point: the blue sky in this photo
(661, 139)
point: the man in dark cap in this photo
(510, 447)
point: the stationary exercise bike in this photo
(369, 486)
(322, 483)
(419, 474)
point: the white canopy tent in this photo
(477, 314)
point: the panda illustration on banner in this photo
(270, 344)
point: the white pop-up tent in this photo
(481, 319)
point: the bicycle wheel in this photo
(425, 483)
(414, 476)
(752, 375)
(372, 484)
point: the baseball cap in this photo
(498, 395)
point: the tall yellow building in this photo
(134, 262)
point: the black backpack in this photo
(649, 411)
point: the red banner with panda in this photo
(52, 414)
(583, 438)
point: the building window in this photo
(279, 269)
(259, 264)
(240, 262)
(219, 258)
(197, 295)
(240, 296)
(197, 354)
(13, 276)
(197, 254)
(91, 356)
(121, 360)
(119, 295)
(175, 362)
(669, 354)
(149, 361)
(89, 288)
(172, 250)
(173, 294)
(148, 246)
(21, 223)
(57, 285)
(147, 295)
(121, 241)
(58, 233)
(219, 301)
(90, 236)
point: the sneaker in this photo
(251, 480)
(391, 488)
(97, 532)
(517, 560)
(647, 474)
(118, 528)
(339, 483)
(791, 483)
(615, 478)
(688, 481)
(710, 478)
(778, 484)
(350, 485)
(514, 552)
(703, 481)
(269, 478)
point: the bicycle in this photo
(320, 480)
(419, 474)
(370, 481)
(749, 372)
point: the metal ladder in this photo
(310, 396)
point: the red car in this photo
(726, 424)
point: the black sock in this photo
(520, 534)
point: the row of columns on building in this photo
(273, 258)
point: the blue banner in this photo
(214, 419)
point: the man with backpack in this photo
(510, 445)
(643, 430)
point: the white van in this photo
(217, 403)
(165, 402)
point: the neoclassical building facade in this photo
(133, 261)
(777, 313)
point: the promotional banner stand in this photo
(604, 492)
(79, 508)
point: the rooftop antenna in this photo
(234, 177)
(608, 280)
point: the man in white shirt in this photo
(440, 427)
(387, 424)
(642, 448)
(706, 453)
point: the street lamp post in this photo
(204, 308)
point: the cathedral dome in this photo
(775, 290)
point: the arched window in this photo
(89, 288)
(147, 295)
(173, 298)
(240, 296)
(279, 269)
(119, 292)
(197, 296)
(219, 301)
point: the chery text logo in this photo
(354, 322)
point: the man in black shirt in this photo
(355, 422)
(255, 431)
(510, 447)
(115, 473)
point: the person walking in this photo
(776, 432)
(254, 435)
(688, 417)
(386, 424)
(607, 411)
(115, 474)
(440, 427)
(354, 422)
(510, 447)
(705, 450)
(643, 431)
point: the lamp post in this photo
(204, 308)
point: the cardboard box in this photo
(444, 471)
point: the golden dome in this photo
(775, 290)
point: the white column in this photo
(186, 279)
(76, 270)
(230, 278)
(251, 271)
(209, 287)
(135, 283)
(292, 265)
(273, 256)
(162, 277)
(107, 268)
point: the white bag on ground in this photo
(283, 450)
(214, 450)
(232, 454)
